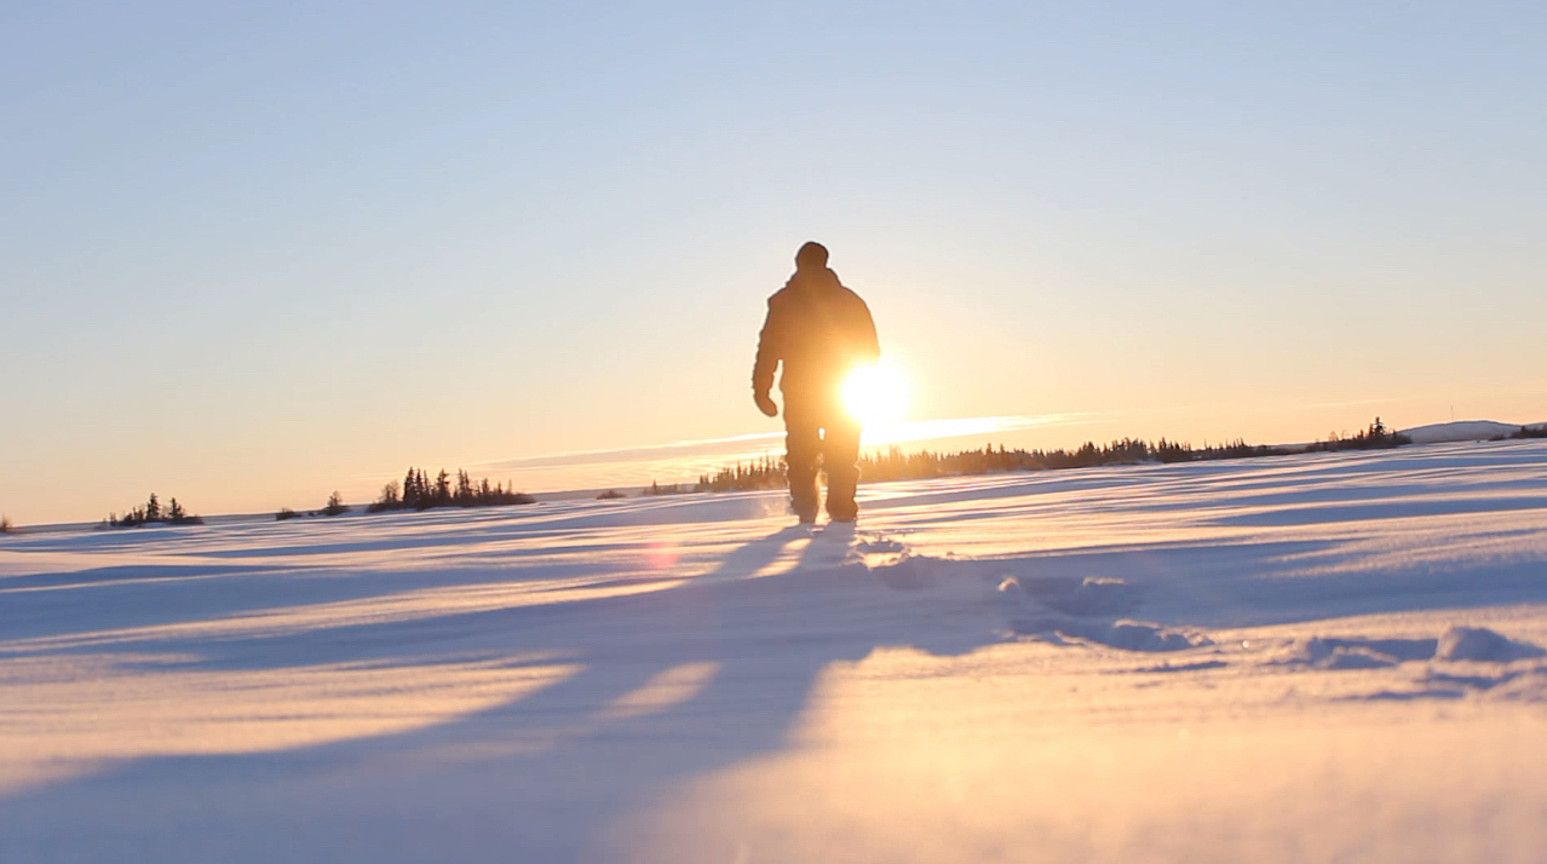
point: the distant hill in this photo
(1460, 430)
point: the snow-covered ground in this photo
(1461, 430)
(1333, 657)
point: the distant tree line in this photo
(5, 525)
(418, 492)
(1526, 432)
(152, 513)
(894, 464)
(334, 507)
(669, 488)
(767, 474)
(1376, 437)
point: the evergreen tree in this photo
(410, 489)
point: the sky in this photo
(252, 254)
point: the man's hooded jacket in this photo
(820, 330)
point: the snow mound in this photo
(1144, 636)
(1483, 645)
(1090, 596)
(908, 572)
(879, 545)
(1478, 644)
(1124, 634)
(1325, 652)
(1086, 611)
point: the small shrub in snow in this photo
(335, 505)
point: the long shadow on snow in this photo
(48, 606)
(507, 782)
(519, 522)
(44, 605)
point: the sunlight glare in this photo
(877, 396)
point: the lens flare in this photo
(877, 396)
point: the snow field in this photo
(1334, 657)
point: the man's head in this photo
(812, 256)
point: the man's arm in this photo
(769, 351)
(868, 343)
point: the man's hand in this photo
(765, 404)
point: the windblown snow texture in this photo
(1320, 657)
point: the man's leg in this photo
(803, 446)
(840, 455)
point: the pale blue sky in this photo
(250, 255)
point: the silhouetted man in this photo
(820, 331)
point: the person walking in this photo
(820, 331)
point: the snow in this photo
(1318, 657)
(1460, 430)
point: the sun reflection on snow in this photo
(662, 555)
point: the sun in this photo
(876, 395)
